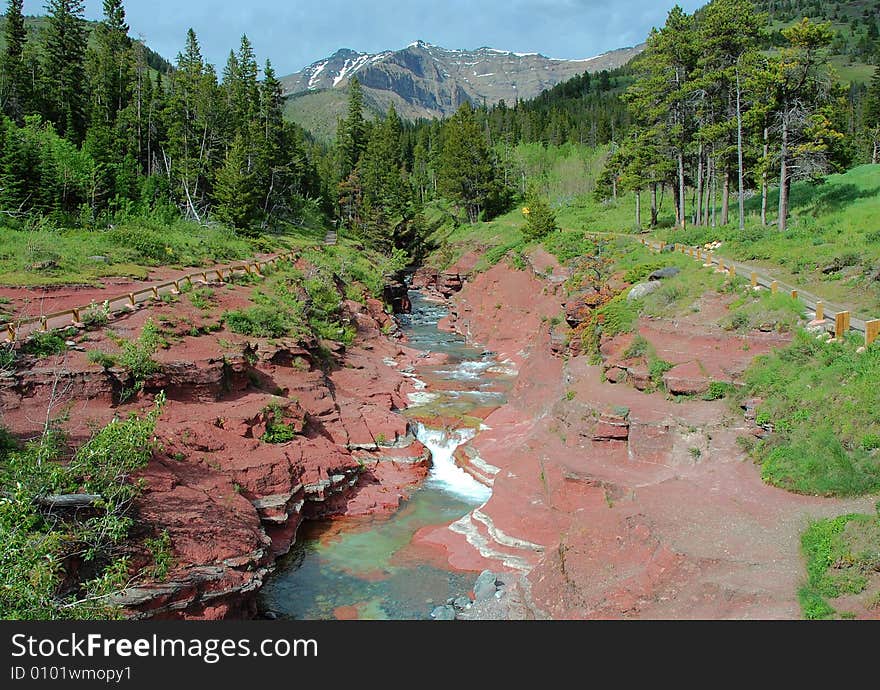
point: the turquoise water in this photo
(368, 566)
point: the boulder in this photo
(686, 379)
(667, 272)
(640, 290)
(396, 294)
(443, 613)
(485, 586)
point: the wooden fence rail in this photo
(839, 325)
(14, 329)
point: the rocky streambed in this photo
(370, 568)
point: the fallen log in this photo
(55, 501)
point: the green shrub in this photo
(639, 272)
(811, 451)
(95, 316)
(45, 344)
(656, 369)
(258, 322)
(137, 355)
(7, 358)
(277, 431)
(101, 358)
(639, 347)
(718, 390)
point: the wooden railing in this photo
(128, 301)
(842, 320)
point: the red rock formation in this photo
(230, 501)
(650, 514)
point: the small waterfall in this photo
(444, 472)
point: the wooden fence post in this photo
(794, 294)
(820, 311)
(155, 292)
(754, 279)
(44, 324)
(732, 271)
(721, 264)
(75, 313)
(872, 330)
(774, 287)
(841, 324)
(10, 332)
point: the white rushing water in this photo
(445, 474)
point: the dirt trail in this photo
(765, 277)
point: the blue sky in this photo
(295, 33)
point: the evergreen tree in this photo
(466, 173)
(802, 89)
(64, 68)
(352, 131)
(236, 189)
(111, 64)
(14, 91)
(872, 115)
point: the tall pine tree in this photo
(14, 91)
(64, 68)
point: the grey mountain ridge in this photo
(423, 80)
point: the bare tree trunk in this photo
(874, 153)
(714, 191)
(782, 220)
(707, 193)
(698, 212)
(654, 205)
(614, 187)
(725, 196)
(681, 191)
(739, 152)
(764, 177)
(639, 209)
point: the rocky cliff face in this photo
(423, 80)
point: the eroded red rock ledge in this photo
(609, 502)
(230, 502)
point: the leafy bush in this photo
(638, 273)
(842, 554)
(137, 355)
(37, 549)
(567, 245)
(277, 431)
(639, 347)
(718, 390)
(259, 322)
(95, 317)
(45, 344)
(7, 358)
(101, 358)
(656, 369)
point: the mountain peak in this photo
(425, 80)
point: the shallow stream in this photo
(367, 568)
